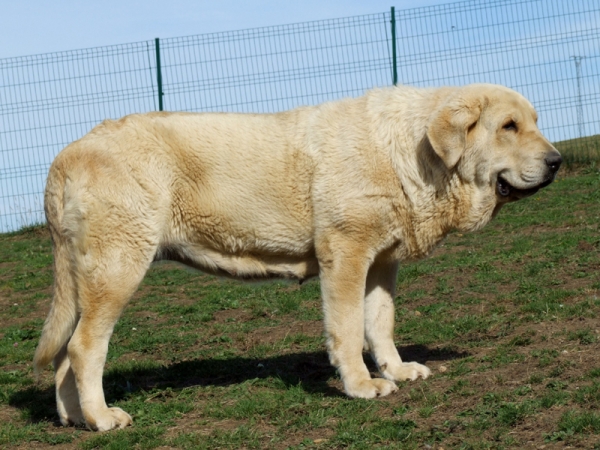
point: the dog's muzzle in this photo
(505, 189)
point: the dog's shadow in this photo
(311, 370)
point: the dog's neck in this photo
(437, 198)
(434, 211)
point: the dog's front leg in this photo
(379, 324)
(343, 273)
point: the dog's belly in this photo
(245, 265)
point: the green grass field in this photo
(507, 319)
(581, 151)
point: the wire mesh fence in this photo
(277, 68)
(549, 50)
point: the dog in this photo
(344, 190)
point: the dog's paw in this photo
(109, 419)
(376, 387)
(69, 420)
(406, 371)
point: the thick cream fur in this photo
(344, 190)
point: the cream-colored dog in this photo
(344, 190)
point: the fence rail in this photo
(549, 50)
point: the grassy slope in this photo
(507, 318)
(584, 150)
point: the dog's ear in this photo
(450, 125)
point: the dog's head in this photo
(488, 135)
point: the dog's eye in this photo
(510, 126)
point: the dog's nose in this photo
(554, 161)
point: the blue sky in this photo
(30, 27)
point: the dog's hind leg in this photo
(67, 397)
(379, 325)
(110, 269)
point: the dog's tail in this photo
(63, 316)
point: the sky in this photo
(29, 27)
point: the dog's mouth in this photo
(508, 191)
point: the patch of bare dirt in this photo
(270, 335)
(231, 315)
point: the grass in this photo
(580, 151)
(507, 318)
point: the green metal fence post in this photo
(159, 75)
(394, 65)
